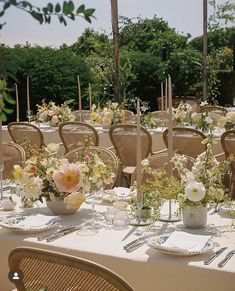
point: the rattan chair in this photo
(194, 104)
(123, 138)
(216, 109)
(75, 134)
(105, 155)
(23, 133)
(52, 271)
(187, 141)
(13, 154)
(129, 117)
(228, 145)
(160, 160)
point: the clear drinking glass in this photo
(91, 227)
(120, 220)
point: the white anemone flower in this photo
(195, 191)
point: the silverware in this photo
(40, 238)
(226, 259)
(61, 234)
(215, 255)
(139, 243)
(132, 243)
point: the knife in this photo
(226, 259)
(215, 255)
(40, 238)
(61, 234)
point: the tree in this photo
(43, 14)
(52, 73)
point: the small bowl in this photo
(8, 205)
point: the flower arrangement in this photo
(44, 175)
(228, 121)
(148, 121)
(202, 121)
(157, 187)
(182, 114)
(53, 114)
(111, 114)
(204, 183)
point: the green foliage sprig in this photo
(64, 11)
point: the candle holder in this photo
(140, 219)
(169, 217)
(29, 115)
(1, 189)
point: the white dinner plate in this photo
(117, 194)
(157, 244)
(15, 224)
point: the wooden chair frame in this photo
(227, 154)
(82, 124)
(182, 129)
(26, 124)
(56, 271)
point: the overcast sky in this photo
(184, 15)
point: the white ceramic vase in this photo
(195, 216)
(59, 208)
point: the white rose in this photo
(195, 191)
(52, 148)
(54, 120)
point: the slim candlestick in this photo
(170, 124)
(162, 98)
(170, 217)
(28, 98)
(17, 104)
(162, 101)
(138, 159)
(89, 90)
(166, 91)
(79, 95)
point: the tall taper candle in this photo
(79, 95)
(162, 98)
(28, 98)
(138, 158)
(90, 101)
(170, 124)
(17, 104)
(166, 93)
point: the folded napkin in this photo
(38, 220)
(185, 242)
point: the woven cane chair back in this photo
(52, 271)
(75, 134)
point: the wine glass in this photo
(29, 115)
(92, 227)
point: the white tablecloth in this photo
(144, 269)
(51, 135)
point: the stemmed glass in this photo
(29, 115)
(91, 227)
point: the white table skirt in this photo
(144, 269)
(52, 135)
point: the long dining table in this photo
(145, 268)
(51, 135)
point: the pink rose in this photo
(68, 178)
